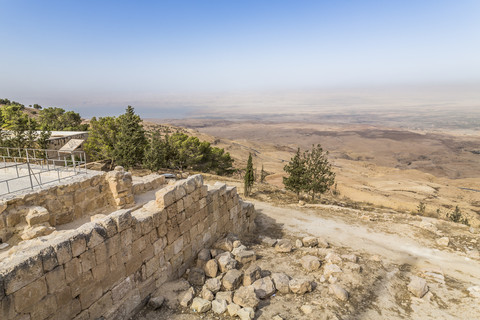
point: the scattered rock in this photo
(284, 246)
(269, 242)
(246, 313)
(474, 291)
(310, 263)
(301, 203)
(239, 249)
(443, 241)
(196, 277)
(281, 282)
(246, 297)
(213, 285)
(418, 286)
(211, 268)
(232, 279)
(310, 241)
(331, 269)
(225, 295)
(322, 243)
(226, 262)
(332, 257)
(298, 243)
(252, 274)
(306, 309)
(332, 279)
(264, 287)
(277, 317)
(219, 306)
(338, 291)
(224, 244)
(428, 226)
(201, 305)
(186, 297)
(216, 252)
(156, 303)
(300, 285)
(350, 257)
(233, 308)
(204, 255)
(245, 256)
(207, 294)
(236, 243)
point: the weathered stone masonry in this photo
(110, 266)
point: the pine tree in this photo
(248, 179)
(131, 141)
(319, 174)
(296, 174)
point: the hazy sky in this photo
(112, 53)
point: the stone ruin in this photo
(88, 249)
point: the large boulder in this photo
(310, 263)
(232, 279)
(246, 297)
(264, 287)
(281, 282)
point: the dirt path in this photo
(394, 248)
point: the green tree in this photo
(319, 174)
(102, 139)
(263, 175)
(37, 106)
(156, 153)
(457, 217)
(248, 179)
(131, 140)
(296, 179)
(57, 119)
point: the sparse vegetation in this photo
(421, 208)
(457, 217)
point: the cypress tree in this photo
(131, 141)
(249, 178)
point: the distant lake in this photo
(179, 112)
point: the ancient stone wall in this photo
(110, 266)
(84, 195)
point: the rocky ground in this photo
(331, 263)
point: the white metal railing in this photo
(22, 169)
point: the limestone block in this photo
(251, 274)
(300, 285)
(23, 274)
(30, 295)
(55, 279)
(310, 263)
(180, 191)
(123, 219)
(78, 243)
(264, 287)
(200, 305)
(44, 308)
(37, 215)
(232, 279)
(102, 304)
(73, 270)
(246, 297)
(165, 197)
(281, 281)
(49, 259)
(90, 294)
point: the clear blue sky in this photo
(93, 53)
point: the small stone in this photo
(238, 249)
(281, 282)
(284, 246)
(330, 269)
(418, 286)
(219, 306)
(350, 257)
(156, 303)
(232, 279)
(306, 309)
(237, 243)
(207, 294)
(269, 242)
(204, 255)
(332, 257)
(213, 285)
(246, 313)
(252, 274)
(443, 241)
(332, 279)
(224, 244)
(201, 305)
(300, 285)
(225, 295)
(474, 291)
(196, 277)
(245, 256)
(264, 287)
(310, 263)
(211, 268)
(246, 297)
(233, 308)
(215, 252)
(310, 241)
(298, 243)
(338, 291)
(322, 243)
(301, 203)
(187, 297)
(277, 317)
(226, 262)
